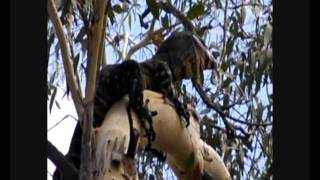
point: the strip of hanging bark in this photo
(187, 154)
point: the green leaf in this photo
(248, 143)
(260, 112)
(165, 21)
(195, 11)
(57, 48)
(243, 15)
(52, 78)
(52, 98)
(258, 77)
(67, 6)
(154, 8)
(249, 83)
(117, 8)
(240, 158)
(80, 35)
(234, 27)
(229, 47)
(226, 100)
(111, 17)
(224, 66)
(216, 140)
(218, 4)
(226, 83)
(57, 104)
(130, 21)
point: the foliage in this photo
(239, 34)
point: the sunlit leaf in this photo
(117, 8)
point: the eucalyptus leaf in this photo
(52, 98)
(117, 8)
(154, 8)
(165, 21)
(195, 11)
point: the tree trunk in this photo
(188, 155)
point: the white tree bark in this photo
(188, 155)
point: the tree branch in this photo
(146, 40)
(230, 127)
(169, 8)
(95, 36)
(94, 42)
(61, 163)
(76, 96)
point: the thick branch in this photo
(173, 138)
(142, 43)
(76, 96)
(94, 42)
(58, 159)
(147, 40)
(95, 36)
(138, 46)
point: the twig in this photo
(251, 124)
(94, 42)
(61, 121)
